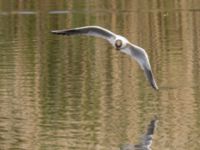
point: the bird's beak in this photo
(150, 78)
(117, 49)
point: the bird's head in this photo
(118, 44)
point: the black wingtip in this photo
(151, 79)
(152, 125)
(155, 86)
(66, 32)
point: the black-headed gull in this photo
(119, 42)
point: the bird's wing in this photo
(141, 57)
(88, 30)
(146, 141)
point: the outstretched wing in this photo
(141, 57)
(146, 141)
(88, 30)
(136, 52)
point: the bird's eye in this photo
(118, 44)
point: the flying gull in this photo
(119, 42)
(146, 141)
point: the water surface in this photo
(79, 93)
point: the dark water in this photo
(78, 93)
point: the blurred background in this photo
(79, 93)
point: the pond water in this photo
(79, 93)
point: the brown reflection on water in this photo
(80, 93)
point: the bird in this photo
(119, 42)
(146, 141)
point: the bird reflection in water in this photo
(146, 140)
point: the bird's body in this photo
(117, 41)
